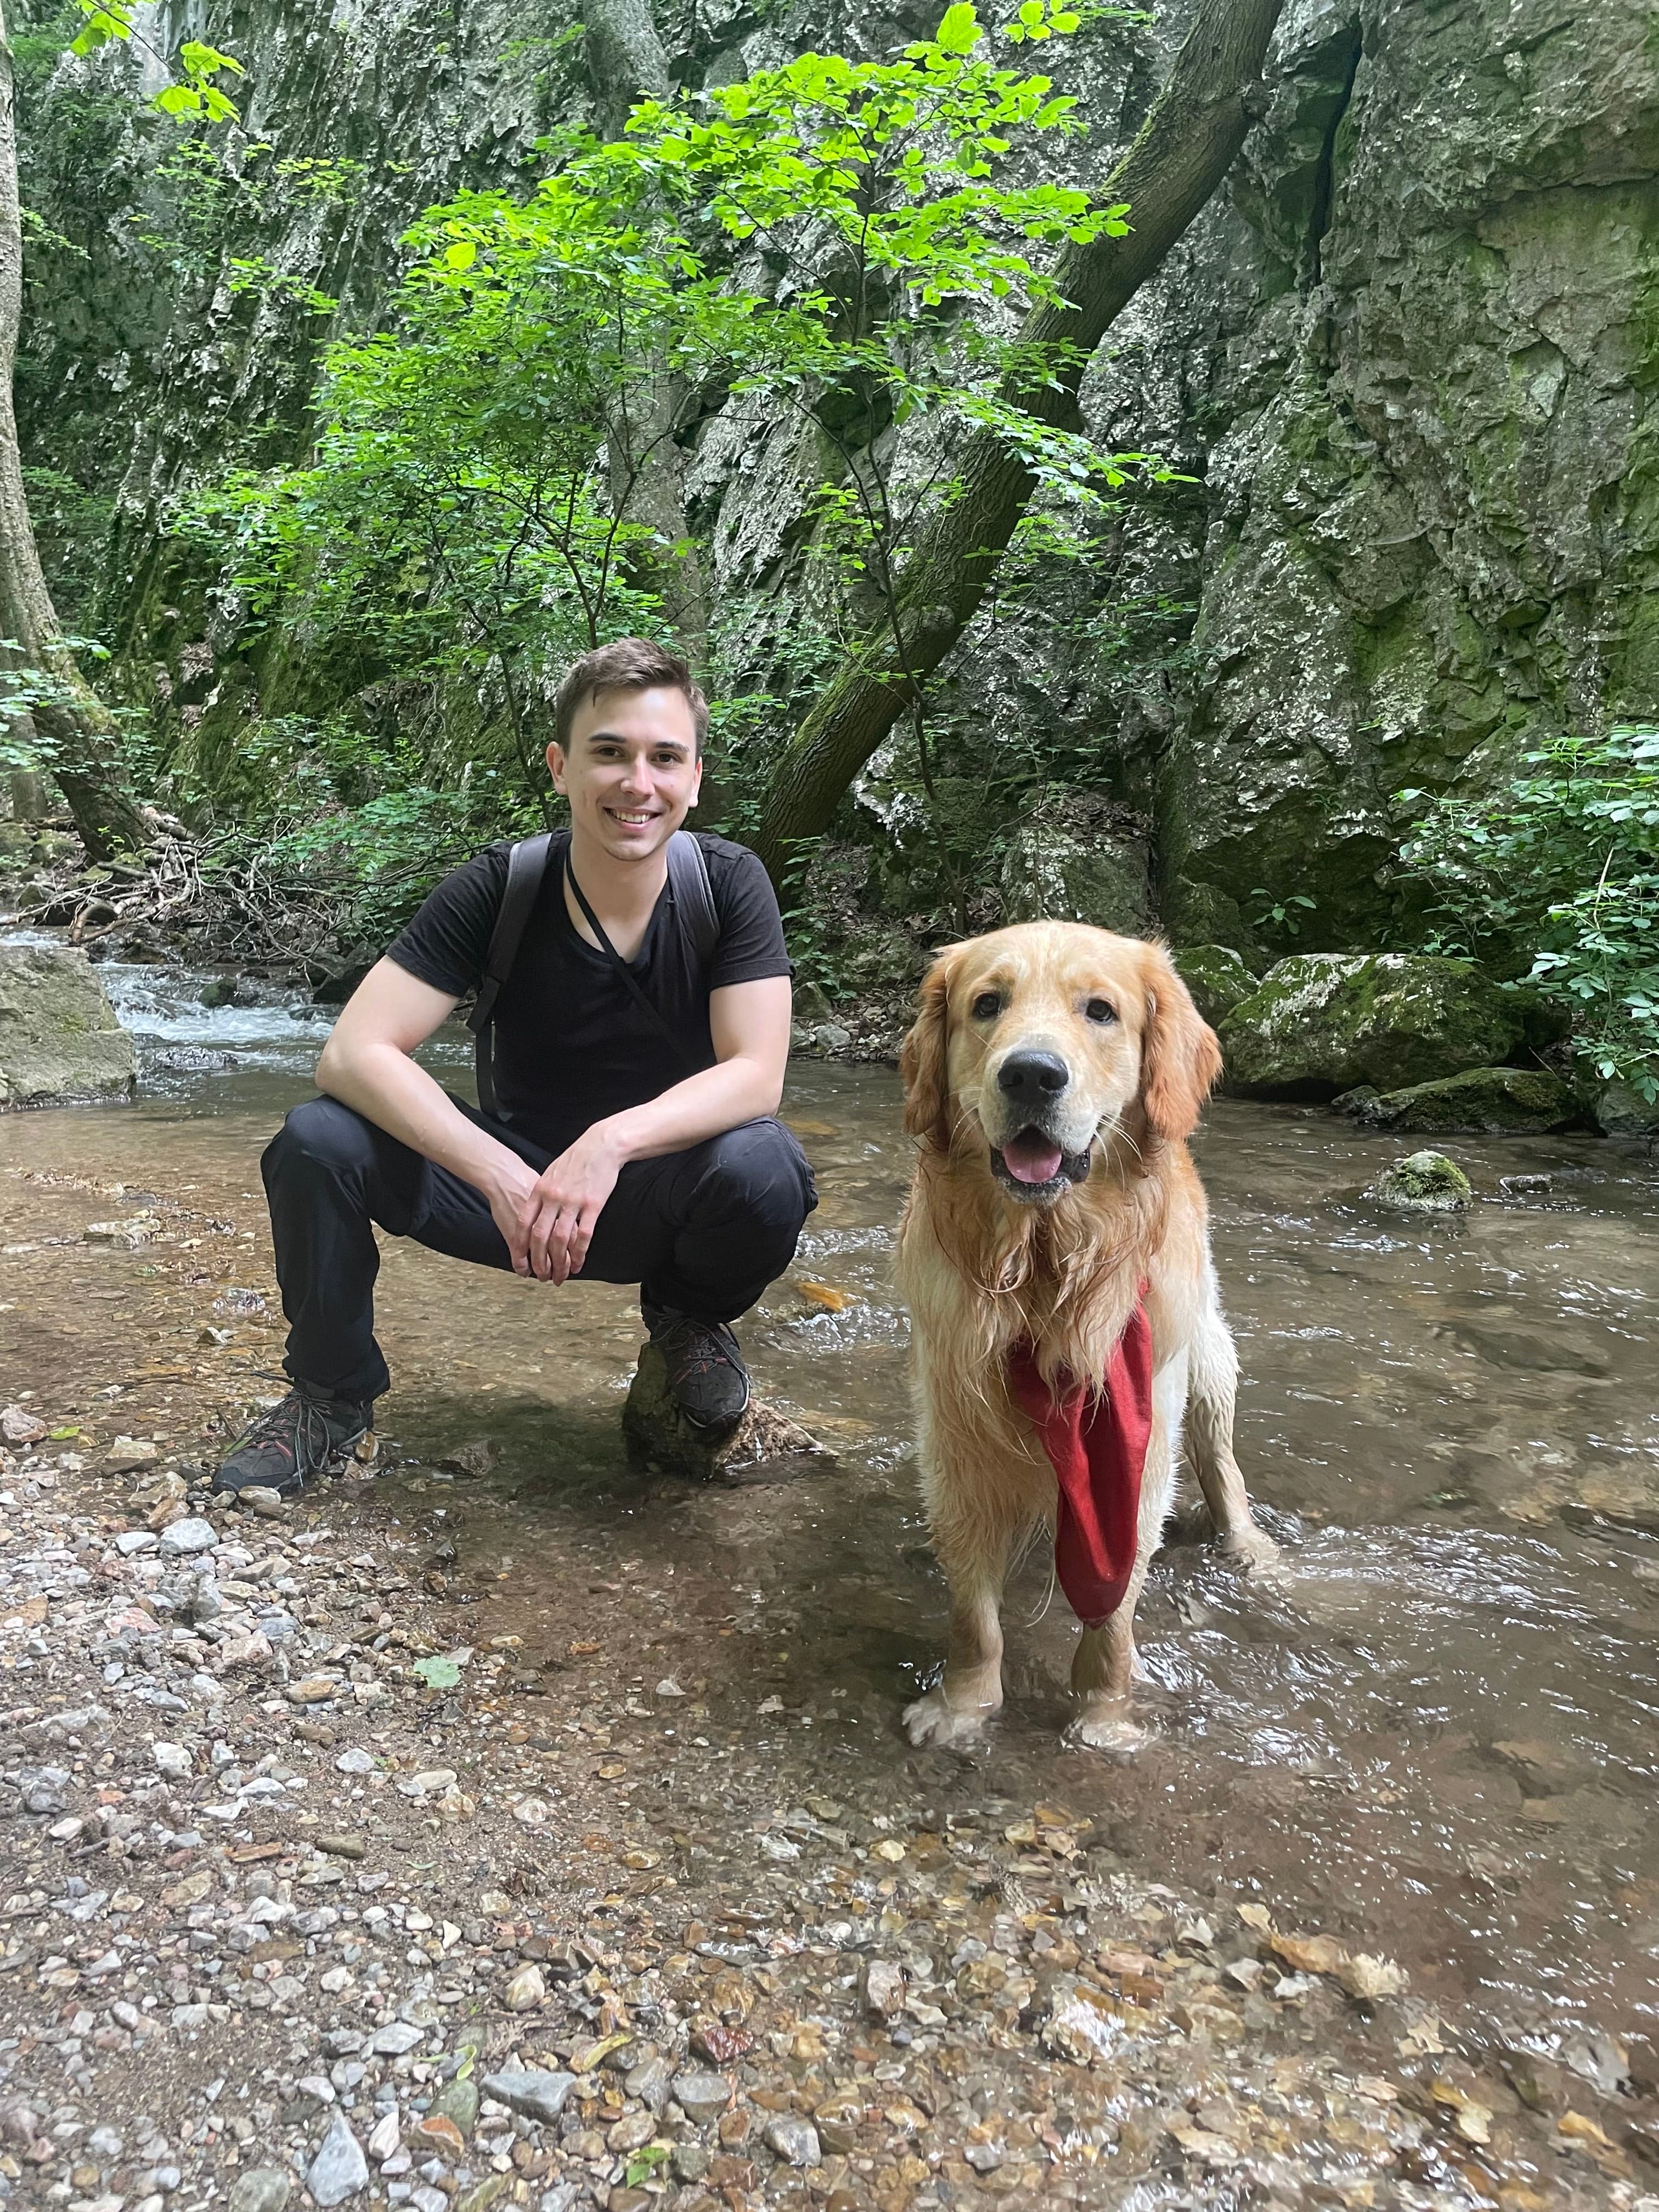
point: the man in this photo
(630, 1147)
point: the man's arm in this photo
(749, 1026)
(366, 1065)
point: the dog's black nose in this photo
(1031, 1078)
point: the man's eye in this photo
(986, 1006)
(1101, 1009)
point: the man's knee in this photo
(320, 1136)
(761, 1171)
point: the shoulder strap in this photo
(636, 990)
(694, 897)
(527, 865)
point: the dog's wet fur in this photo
(1052, 1078)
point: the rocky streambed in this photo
(508, 1825)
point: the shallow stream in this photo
(1432, 1735)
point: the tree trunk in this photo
(1179, 157)
(626, 63)
(72, 719)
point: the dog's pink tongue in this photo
(1031, 1158)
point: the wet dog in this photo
(1053, 1077)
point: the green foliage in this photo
(191, 90)
(1563, 865)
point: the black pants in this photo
(703, 1232)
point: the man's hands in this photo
(548, 1219)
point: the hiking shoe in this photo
(297, 1440)
(707, 1378)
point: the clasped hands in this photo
(548, 1219)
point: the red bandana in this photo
(1097, 1444)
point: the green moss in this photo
(1425, 1182)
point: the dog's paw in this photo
(1252, 1547)
(934, 1720)
(1111, 1732)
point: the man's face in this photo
(630, 771)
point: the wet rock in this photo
(1217, 977)
(264, 2189)
(795, 2141)
(59, 1038)
(765, 1446)
(539, 2094)
(651, 2082)
(1494, 1102)
(1621, 1109)
(339, 2169)
(1323, 1023)
(702, 2095)
(1544, 1769)
(1425, 1182)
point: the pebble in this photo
(355, 1761)
(539, 2094)
(339, 2169)
(702, 2095)
(395, 2037)
(795, 2141)
(526, 1989)
(258, 1498)
(185, 1537)
(171, 1760)
(881, 1986)
(264, 2189)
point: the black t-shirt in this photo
(570, 1044)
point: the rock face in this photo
(1061, 871)
(1217, 977)
(59, 1039)
(1492, 1102)
(1323, 1023)
(1407, 358)
(766, 1446)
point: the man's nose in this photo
(1032, 1078)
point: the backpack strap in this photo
(527, 865)
(694, 897)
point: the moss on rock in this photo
(1492, 1102)
(1320, 1023)
(1216, 976)
(1423, 1183)
(59, 1038)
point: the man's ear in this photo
(556, 763)
(1179, 1053)
(922, 1060)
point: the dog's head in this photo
(1040, 1040)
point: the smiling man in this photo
(638, 1062)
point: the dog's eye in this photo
(986, 1006)
(1101, 1009)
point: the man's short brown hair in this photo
(627, 664)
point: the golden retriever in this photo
(1053, 1076)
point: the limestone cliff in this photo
(1409, 359)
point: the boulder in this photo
(1217, 977)
(1079, 865)
(59, 1039)
(1425, 1182)
(765, 1446)
(1321, 1023)
(1621, 1109)
(1490, 1102)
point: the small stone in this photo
(171, 1760)
(313, 1690)
(795, 2141)
(386, 2138)
(457, 2102)
(881, 1987)
(702, 2095)
(535, 2093)
(19, 1426)
(526, 1990)
(344, 1847)
(262, 2189)
(651, 2083)
(355, 1761)
(259, 1498)
(185, 1537)
(339, 2169)
(397, 2037)
(131, 1541)
(126, 1454)
(532, 1812)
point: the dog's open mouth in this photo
(1032, 1165)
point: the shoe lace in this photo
(695, 1347)
(298, 1426)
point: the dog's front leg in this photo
(1211, 1392)
(957, 1708)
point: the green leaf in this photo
(439, 1672)
(958, 31)
(462, 254)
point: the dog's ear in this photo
(1179, 1053)
(922, 1058)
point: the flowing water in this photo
(1433, 1734)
